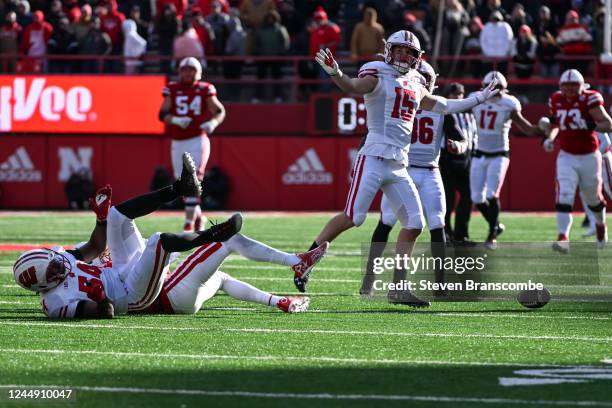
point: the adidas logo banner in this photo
(18, 167)
(307, 169)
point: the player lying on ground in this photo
(491, 155)
(576, 113)
(70, 287)
(393, 91)
(423, 168)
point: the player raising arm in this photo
(576, 113)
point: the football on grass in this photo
(534, 299)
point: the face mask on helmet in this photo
(190, 70)
(572, 83)
(403, 51)
(40, 269)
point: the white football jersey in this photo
(391, 108)
(426, 139)
(61, 301)
(493, 121)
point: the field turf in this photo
(343, 351)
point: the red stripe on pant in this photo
(352, 186)
(351, 208)
(155, 277)
(203, 257)
(185, 263)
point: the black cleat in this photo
(586, 223)
(465, 243)
(188, 184)
(499, 229)
(399, 297)
(225, 230)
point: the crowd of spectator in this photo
(530, 33)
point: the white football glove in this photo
(180, 121)
(209, 126)
(455, 147)
(544, 124)
(488, 92)
(548, 144)
(327, 62)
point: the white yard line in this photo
(318, 396)
(309, 331)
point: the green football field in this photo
(343, 351)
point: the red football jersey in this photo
(189, 100)
(572, 118)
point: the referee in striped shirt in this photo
(455, 169)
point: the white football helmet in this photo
(501, 80)
(572, 76)
(407, 39)
(193, 63)
(429, 74)
(40, 269)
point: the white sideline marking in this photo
(320, 396)
(310, 331)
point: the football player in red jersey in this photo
(185, 109)
(576, 113)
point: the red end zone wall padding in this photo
(266, 173)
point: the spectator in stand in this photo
(413, 25)
(180, 7)
(421, 11)
(472, 47)
(134, 47)
(270, 39)
(488, 7)
(72, 10)
(204, 5)
(524, 52)
(167, 28)
(34, 42)
(220, 23)
(236, 47)
(188, 44)
(454, 31)
(62, 42)
(81, 27)
(575, 40)
(55, 14)
(598, 30)
(368, 36)
(112, 21)
(519, 17)
(204, 30)
(95, 42)
(394, 16)
(24, 16)
(253, 12)
(142, 26)
(546, 32)
(9, 41)
(496, 42)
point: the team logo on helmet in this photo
(193, 63)
(40, 269)
(427, 71)
(406, 39)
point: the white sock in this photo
(256, 251)
(249, 293)
(564, 223)
(600, 217)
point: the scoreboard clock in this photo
(337, 114)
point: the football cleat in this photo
(405, 297)
(292, 304)
(302, 269)
(491, 242)
(499, 229)
(188, 184)
(562, 244)
(225, 230)
(602, 235)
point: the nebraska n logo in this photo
(307, 169)
(18, 167)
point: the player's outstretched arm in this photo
(524, 125)
(603, 122)
(99, 204)
(440, 104)
(359, 86)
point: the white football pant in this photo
(487, 177)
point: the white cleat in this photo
(561, 246)
(491, 244)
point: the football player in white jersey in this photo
(393, 91)
(491, 155)
(605, 145)
(426, 144)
